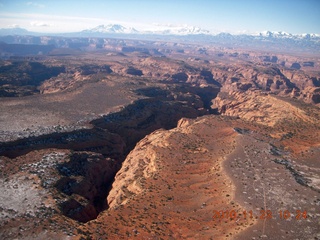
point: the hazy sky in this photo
(236, 16)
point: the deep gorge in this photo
(97, 153)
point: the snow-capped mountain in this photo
(191, 30)
(266, 39)
(178, 30)
(166, 30)
(309, 36)
(275, 34)
(157, 30)
(285, 35)
(184, 31)
(14, 31)
(111, 28)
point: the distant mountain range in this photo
(267, 40)
(105, 30)
(15, 31)
(288, 35)
(111, 28)
(188, 30)
(171, 30)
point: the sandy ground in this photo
(263, 185)
(25, 115)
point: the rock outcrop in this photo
(262, 108)
(85, 179)
(21, 78)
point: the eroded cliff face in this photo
(271, 79)
(258, 107)
(139, 166)
(243, 72)
(292, 122)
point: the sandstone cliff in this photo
(262, 108)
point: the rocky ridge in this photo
(215, 146)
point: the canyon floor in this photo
(159, 140)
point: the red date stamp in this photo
(263, 214)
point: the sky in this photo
(234, 16)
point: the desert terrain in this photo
(138, 139)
